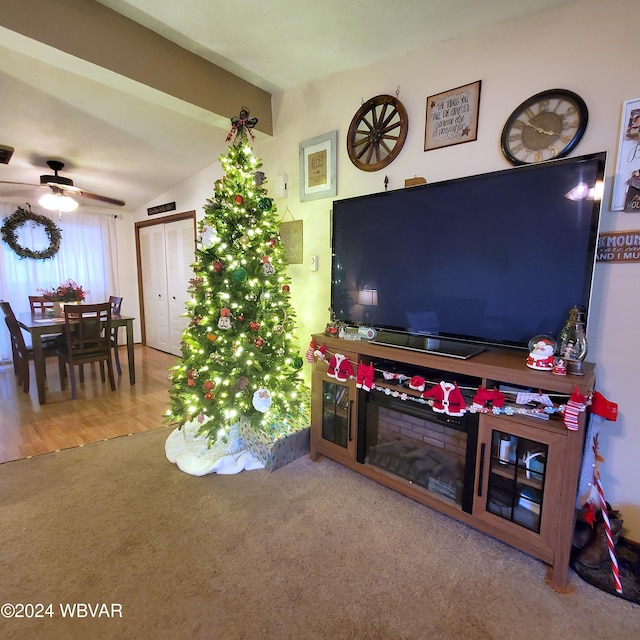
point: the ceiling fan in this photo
(63, 186)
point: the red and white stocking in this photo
(572, 410)
(309, 354)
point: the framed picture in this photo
(452, 117)
(318, 167)
(626, 183)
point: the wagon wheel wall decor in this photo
(377, 132)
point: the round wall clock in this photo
(377, 132)
(546, 126)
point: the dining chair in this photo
(39, 305)
(8, 313)
(88, 335)
(21, 353)
(116, 304)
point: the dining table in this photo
(38, 326)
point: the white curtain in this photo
(88, 255)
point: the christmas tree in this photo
(240, 360)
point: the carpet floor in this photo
(310, 551)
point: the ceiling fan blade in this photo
(94, 196)
(23, 184)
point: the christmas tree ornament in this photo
(224, 322)
(209, 396)
(259, 342)
(272, 242)
(239, 274)
(191, 382)
(258, 178)
(244, 241)
(212, 336)
(240, 317)
(267, 266)
(241, 383)
(254, 326)
(239, 200)
(207, 236)
(264, 204)
(286, 288)
(262, 400)
(218, 267)
(209, 385)
(196, 320)
(297, 362)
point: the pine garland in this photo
(19, 218)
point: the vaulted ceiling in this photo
(135, 96)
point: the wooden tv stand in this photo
(522, 492)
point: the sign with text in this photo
(161, 208)
(452, 117)
(619, 246)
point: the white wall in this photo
(586, 46)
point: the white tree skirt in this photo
(194, 456)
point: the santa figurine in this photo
(541, 357)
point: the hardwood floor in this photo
(28, 428)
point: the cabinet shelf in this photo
(506, 471)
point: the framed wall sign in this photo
(318, 167)
(625, 195)
(452, 117)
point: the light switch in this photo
(281, 186)
(313, 263)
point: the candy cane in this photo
(610, 544)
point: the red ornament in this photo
(254, 326)
(191, 383)
(286, 287)
(259, 343)
(272, 242)
(209, 385)
(265, 259)
(218, 266)
(209, 396)
(196, 319)
(238, 199)
(240, 318)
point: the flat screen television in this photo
(488, 260)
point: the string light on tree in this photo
(240, 338)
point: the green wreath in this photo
(22, 216)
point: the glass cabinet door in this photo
(517, 472)
(336, 414)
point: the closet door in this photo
(167, 251)
(180, 248)
(154, 286)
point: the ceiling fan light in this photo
(58, 202)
